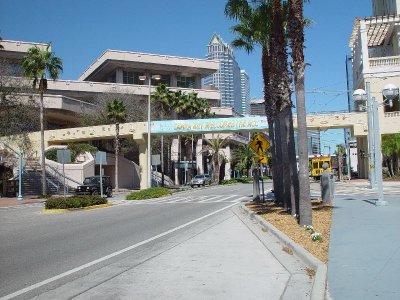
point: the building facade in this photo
(228, 79)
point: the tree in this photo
(340, 150)
(296, 34)
(391, 152)
(38, 65)
(214, 148)
(245, 156)
(116, 112)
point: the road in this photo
(39, 252)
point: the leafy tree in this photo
(340, 150)
(116, 112)
(38, 65)
(391, 152)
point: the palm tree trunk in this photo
(297, 43)
(42, 149)
(287, 180)
(116, 156)
(278, 173)
(294, 187)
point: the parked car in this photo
(200, 180)
(91, 186)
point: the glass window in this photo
(131, 77)
(165, 79)
(185, 82)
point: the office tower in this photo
(228, 79)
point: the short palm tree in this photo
(244, 155)
(214, 148)
(38, 65)
(116, 113)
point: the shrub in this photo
(229, 181)
(74, 202)
(150, 193)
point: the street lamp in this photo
(390, 92)
(149, 170)
(360, 97)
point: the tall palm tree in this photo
(116, 112)
(38, 65)
(296, 34)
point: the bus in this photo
(316, 163)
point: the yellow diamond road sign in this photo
(260, 159)
(259, 144)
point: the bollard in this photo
(326, 185)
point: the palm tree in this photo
(116, 112)
(340, 150)
(296, 34)
(245, 155)
(214, 148)
(39, 65)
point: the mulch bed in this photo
(321, 218)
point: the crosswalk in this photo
(185, 199)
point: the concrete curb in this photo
(320, 280)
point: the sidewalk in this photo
(228, 257)
(364, 255)
(7, 202)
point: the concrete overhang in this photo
(77, 89)
(112, 59)
(18, 49)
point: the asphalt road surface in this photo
(39, 252)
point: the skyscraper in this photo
(245, 93)
(229, 77)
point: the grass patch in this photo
(150, 193)
(74, 202)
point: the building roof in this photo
(112, 59)
(18, 49)
(377, 29)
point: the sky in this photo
(80, 31)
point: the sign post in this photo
(260, 144)
(64, 156)
(101, 159)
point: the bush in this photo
(150, 193)
(74, 202)
(229, 181)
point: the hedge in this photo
(150, 193)
(74, 202)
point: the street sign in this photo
(259, 144)
(101, 158)
(156, 160)
(261, 159)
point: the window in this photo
(131, 77)
(185, 82)
(165, 79)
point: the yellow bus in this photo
(316, 165)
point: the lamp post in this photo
(390, 92)
(149, 170)
(361, 96)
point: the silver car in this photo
(200, 180)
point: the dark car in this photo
(200, 180)
(91, 186)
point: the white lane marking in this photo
(226, 198)
(210, 198)
(94, 262)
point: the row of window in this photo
(181, 81)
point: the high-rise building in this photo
(229, 77)
(245, 93)
(385, 7)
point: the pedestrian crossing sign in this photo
(259, 144)
(261, 159)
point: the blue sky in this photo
(81, 30)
